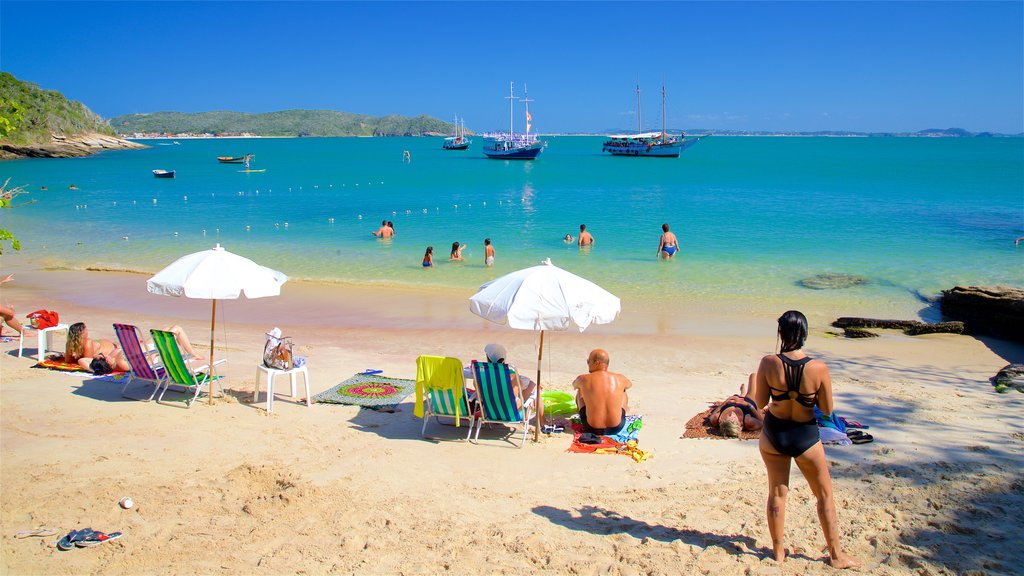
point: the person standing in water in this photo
(668, 245)
(488, 253)
(585, 238)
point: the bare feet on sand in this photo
(842, 560)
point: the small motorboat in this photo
(231, 159)
(163, 173)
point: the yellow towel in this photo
(439, 373)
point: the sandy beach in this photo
(332, 489)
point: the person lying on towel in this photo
(738, 412)
(601, 396)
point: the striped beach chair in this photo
(140, 360)
(178, 372)
(441, 392)
(497, 396)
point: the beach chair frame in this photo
(143, 368)
(178, 371)
(497, 398)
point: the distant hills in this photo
(286, 123)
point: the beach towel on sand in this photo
(700, 427)
(625, 442)
(56, 362)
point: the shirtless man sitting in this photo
(601, 396)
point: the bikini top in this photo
(794, 370)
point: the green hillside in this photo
(29, 114)
(284, 123)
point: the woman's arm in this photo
(825, 403)
(761, 390)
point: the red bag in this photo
(43, 319)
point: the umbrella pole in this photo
(209, 374)
(539, 402)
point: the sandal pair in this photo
(859, 437)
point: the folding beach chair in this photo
(140, 360)
(497, 397)
(441, 392)
(177, 371)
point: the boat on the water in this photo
(231, 159)
(512, 146)
(457, 141)
(163, 173)
(654, 144)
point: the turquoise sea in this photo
(754, 215)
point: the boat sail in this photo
(458, 141)
(655, 144)
(512, 146)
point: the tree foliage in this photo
(30, 115)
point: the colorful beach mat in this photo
(58, 364)
(372, 391)
(700, 427)
(625, 443)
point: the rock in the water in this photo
(1009, 378)
(953, 327)
(993, 310)
(832, 281)
(852, 332)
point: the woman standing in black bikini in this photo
(795, 383)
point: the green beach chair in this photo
(177, 371)
(441, 392)
(497, 396)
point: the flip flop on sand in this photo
(97, 538)
(42, 531)
(859, 437)
(68, 541)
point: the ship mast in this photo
(639, 124)
(663, 111)
(511, 96)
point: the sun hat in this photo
(495, 353)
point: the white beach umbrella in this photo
(216, 274)
(541, 298)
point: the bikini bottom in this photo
(789, 437)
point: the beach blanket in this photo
(624, 443)
(700, 427)
(371, 391)
(57, 363)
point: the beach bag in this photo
(41, 319)
(277, 352)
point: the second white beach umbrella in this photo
(216, 274)
(541, 298)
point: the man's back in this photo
(603, 393)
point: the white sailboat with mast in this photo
(458, 141)
(655, 144)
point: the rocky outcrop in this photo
(855, 327)
(61, 146)
(987, 310)
(1011, 377)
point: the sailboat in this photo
(656, 144)
(459, 140)
(512, 146)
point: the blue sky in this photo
(866, 66)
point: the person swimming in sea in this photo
(428, 257)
